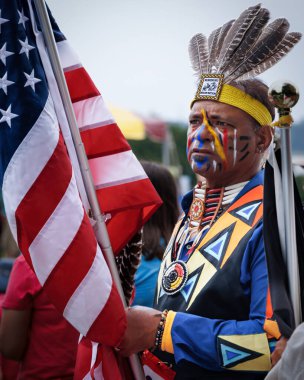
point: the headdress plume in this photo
(242, 48)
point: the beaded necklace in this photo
(206, 208)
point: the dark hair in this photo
(258, 90)
(157, 231)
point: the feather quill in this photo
(198, 51)
(236, 35)
(266, 46)
(242, 48)
(215, 42)
(251, 37)
(282, 49)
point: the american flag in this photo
(123, 189)
(41, 189)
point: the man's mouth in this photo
(200, 154)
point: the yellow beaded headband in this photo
(240, 49)
(212, 88)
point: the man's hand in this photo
(142, 323)
(277, 353)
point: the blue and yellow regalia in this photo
(218, 320)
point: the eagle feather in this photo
(242, 48)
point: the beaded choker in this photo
(206, 208)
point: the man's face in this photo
(228, 150)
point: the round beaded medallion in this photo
(196, 209)
(175, 277)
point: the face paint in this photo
(199, 136)
(225, 140)
(244, 149)
(223, 149)
(245, 155)
(197, 162)
(190, 141)
(218, 147)
(234, 147)
(197, 142)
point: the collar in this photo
(258, 179)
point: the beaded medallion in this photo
(175, 277)
(196, 209)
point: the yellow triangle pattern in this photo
(253, 342)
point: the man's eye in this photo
(194, 122)
(219, 123)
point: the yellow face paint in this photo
(217, 144)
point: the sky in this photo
(136, 51)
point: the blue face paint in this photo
(200, 163)
(198, 136)
(189, 144)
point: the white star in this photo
(4, 83)
(31, 80)
(4, 53)
(26, 47)
(7, 116)
(22, 19)
(2, 20)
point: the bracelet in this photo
(160, 330)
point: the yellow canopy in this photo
(131, 125)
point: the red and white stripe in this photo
(52, 229)
(47, 218)
(123, 189)
(97, 362)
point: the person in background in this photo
(33, 332)
(156, 232)
(9, 251)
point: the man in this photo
(217, 320)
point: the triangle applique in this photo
(232, 354)
(247, 213)
(214, 250)
(188, 288)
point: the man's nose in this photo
(202, 134)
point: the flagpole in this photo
(100, 226)
(284, 96)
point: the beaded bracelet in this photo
(160, 330)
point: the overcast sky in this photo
(136, 51)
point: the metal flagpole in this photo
(100, 227)
(283, 96)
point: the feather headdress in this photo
(240, 49)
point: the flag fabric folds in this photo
(41, 199)
(40, 188)
(124, 191)
(274, 245)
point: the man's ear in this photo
(264, 137)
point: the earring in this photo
(259, 149)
